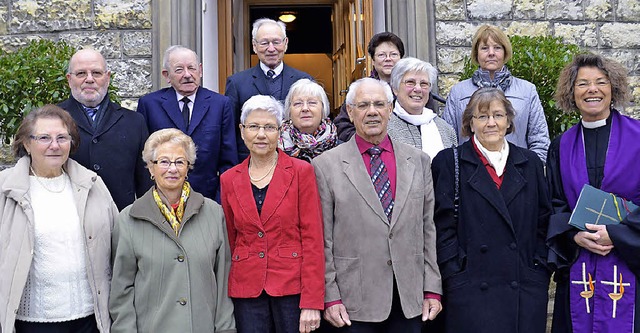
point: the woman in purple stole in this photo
(597, 269)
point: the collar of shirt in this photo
(277, 70)
(364, 145)
(192, 98)
(388, 158)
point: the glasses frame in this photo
(46, 139)
(484, 118)
(255, 128)
(412, 84)
(364, 106)
(174, 162)
(391, 55)
(85, 74)
(599, 83)
(264, 44)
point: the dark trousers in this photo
(82, 325)
(267, 314)
(395, 323)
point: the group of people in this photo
(255, 212)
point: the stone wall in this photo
(120, 30)
(609, 27)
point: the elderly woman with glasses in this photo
(274, 221)
(55, 232)
(491, 50)
(602, 151)
(491, 215)
(307, 130)
(411, 121)
(170, 252)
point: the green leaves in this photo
(540, 60)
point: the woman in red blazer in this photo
(274, 221)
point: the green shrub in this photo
(31, 77)
(540, 60)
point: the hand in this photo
(337, 315)
(598, 242)
(430, 309)
(309, 320)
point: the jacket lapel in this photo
(245, 198)
(200, 109)
(356, 173)
(280, 184)
(405, 169)
(111, 116)
(513, 181)
(172, 109)
(259, 80)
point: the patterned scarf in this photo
(173, 216)
(307, 146)
(501, 78)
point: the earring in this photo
(186, 177)
(152, 177)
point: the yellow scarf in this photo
(174, 217)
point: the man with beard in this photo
(111, 137)
(204, 115)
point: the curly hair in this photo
(615, 72)
(168, 135)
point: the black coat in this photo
(113, 150)
(493, 258)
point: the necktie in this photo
(185, 111)
(380, 179)
(271, 74)
(91, 112)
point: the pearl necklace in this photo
(38, 178)
(255, 180)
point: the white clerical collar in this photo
(594, 124)
(277, 70)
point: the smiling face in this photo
(385, 57)
(370, 112)
(490, 56)
(260, 143)
(592, 93)
(490, 132)
(171, 179)
(47, 159)
(91, 89)
(413, 93)
(272, 53)
(184, 72)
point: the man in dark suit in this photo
(270, 77)
(380, 240)
(111, 137)
(204, 115)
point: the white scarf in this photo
(430, 136)
(497, 159)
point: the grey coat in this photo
(364, 252)
(165, 283)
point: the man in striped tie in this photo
(377, 202)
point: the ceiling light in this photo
(287, 17)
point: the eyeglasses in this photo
(483, 118)
(312, 103)
(166, 163)
(583, 84)
(382, 56)
(265, 43)
(256, 128)
(45, 139)
(364, 106)
(84, 74)
(412, 84)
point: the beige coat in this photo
(363, 250)
(97, 213)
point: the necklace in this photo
(38, 178)
(255, 180)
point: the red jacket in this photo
(280, 251)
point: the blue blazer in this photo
(248, 83)
(113, 150)
(211, 128)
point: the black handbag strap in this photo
(456, 196)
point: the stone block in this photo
(527, 28)
(50, 15)
(628, 10)
(137, 43)
(451, 60)
(584, 35)
(11, 43)
(447, 10)
(129, 103)
(598, 10)
(131, 76)
(628, 58)
(4, 19)
(454, 33)
(132, 14)
(620, 35)
(108, 43)
(528, 10)
(489, 9)
(446, 82)
(564, 10)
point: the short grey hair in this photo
(309, 88)
(265, 103)
(260, 22)
(172, 135)
(410, 64)
(170, 50)
(351, 95)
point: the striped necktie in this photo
(380, 179)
